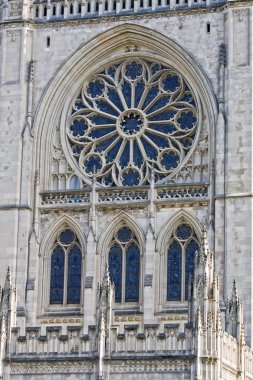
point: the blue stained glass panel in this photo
(124, 234)
(162, 101)
(174, 272)
(164, 128)
(132, 273)
(137, 156)
(115, 269)
(66, 237)
(95, 88)
(105, 107)
(130, 178)
(191, 248)
(170, 160)
(186, 120)
(124, 159)
(151, 152)
(127, 90)
(133, 70)
(112, 153)
(100, 132)
(74, 275)
(114, 98)
(184, 231)
(171, 83)
(140, 87)
(152, 93)
(57, 276)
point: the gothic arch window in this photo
(124, 265)
(180, 261)
(65, 269)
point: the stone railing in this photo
(111, 196)
(51, 10)
(72, 341)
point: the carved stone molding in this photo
(151, 365)
(241, 13)
(51, 367)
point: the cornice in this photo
(123, 17)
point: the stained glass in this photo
(191, 248)
(174, 272)
(115, 269)
(184, 231)
(74, 275)
(132, 273)
(124, 234)
(57, 276)
(131, 118)
(66, 237)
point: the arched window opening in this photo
(62, 10)
(88, 8)
(79, 7)
(124, 265)
(45, 11)
(71, 9)
(37, 12)
(106, 5)
(180, 262)
(54, 10)
(74, 183)
(66, 269)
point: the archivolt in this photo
(95, 54)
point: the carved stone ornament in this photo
(51, 367)
(15, 8)
(151, 365)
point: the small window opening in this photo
(54, 10)
(168, 2)
(48, 41)
(106, 5)
(114, 5)
(88, 7)
(141, 4)
(177, 1)
(150, 3)
(71, 9)
(159, 3)
(97, 6)
(45, 11)
(62, 10)
(123, 4)
(208, 27)
(37, 12)
(132, 4)
(79, 8)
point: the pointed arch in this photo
(122, 219)
(61, 268)
(50, 235)
(166, 230)
(94, 55)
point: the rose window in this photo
(133, 117)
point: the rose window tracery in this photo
(133, 117)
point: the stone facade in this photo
(49, 52)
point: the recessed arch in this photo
(166, 230)
(50, 235)
(122, 219)
(98, 52)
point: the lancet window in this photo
(180, 262)
(66, 269)
(124, 265)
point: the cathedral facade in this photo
(126, 190)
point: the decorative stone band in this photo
(166, 365)
(128, 195)
(28, 367)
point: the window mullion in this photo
(123, 274)
(183, 275)
(65, 278)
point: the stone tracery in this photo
(133, 116)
